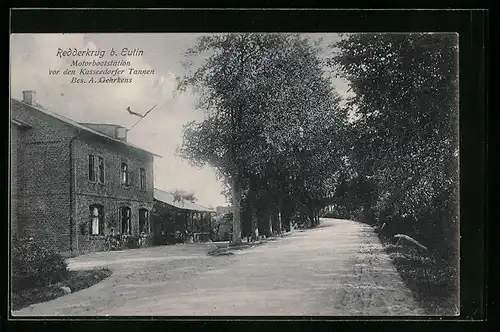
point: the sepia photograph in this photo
(234, 174)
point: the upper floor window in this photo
(100, 169)
(142, 174)
(92, 173)
(96, 169)
(125, 175)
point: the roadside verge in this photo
(76, 281)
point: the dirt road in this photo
(339, 268)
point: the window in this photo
(142, 174)
(96, 169)
(126, 220)
(96, 219)
(143, 221)
(92, 174)
(100, 166)
(125, 175)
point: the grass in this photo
(76, 280)
(431, 280)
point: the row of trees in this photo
(403, 161)
(275, 130)
(270, 127)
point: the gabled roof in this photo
(168, 198)
(80, 126)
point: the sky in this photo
(33, 55)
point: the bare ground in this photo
(339, 268)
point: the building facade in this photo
(72, 183)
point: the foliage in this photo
(35, 265)
(433, 282)
(181, 195)
(75, 280)
(222, 227)
(404, 132)
(113, 242)
(271, 121)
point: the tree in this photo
(258, 92)
(405, 127)
(181, 195)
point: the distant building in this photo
(173, 221)
(74, 183)
(223, 209)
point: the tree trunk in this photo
(255, 228)
(236, 198)
(270, 224)
(274, 220)
(310, 216)
(246, 220)
(280, 228)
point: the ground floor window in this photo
(143, 221)
(96, 219)
(126, 220)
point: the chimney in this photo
(29, 97)
(121, 134)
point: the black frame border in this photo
(472, 26)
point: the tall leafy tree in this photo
(265, 99)
(405, 121)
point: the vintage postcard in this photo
(234, 174)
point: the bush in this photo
(76, 280)
(34, 265)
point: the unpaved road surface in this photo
(339, 268)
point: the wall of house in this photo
(111, 194)
(43, 178)
(113, 154)
(15, 137)
(88, 242)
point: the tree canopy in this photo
(271, 119)
(180, 195)
(404, 129)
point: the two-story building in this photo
(74, 183)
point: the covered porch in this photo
(179, 222)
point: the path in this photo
(339, 268)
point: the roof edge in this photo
(80, 126)
(20, 123)
(202, 208)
